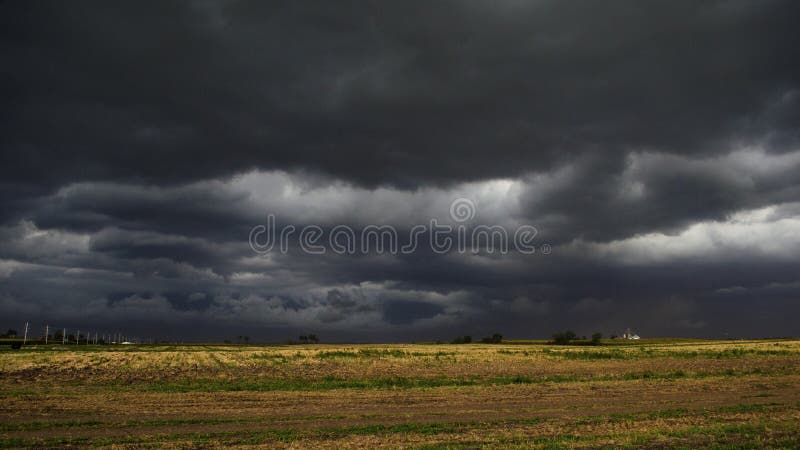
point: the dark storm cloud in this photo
(655, 146)
(383, 93)
(405, 312)
(644, 192)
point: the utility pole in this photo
(78, 337)
(64, 337)
(46, 333)
(25, 338)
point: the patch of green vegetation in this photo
(435, 354)
(294, 384)
(367, 353)
(330, 383)
(337, 354)
(732, 353)
(274, 358)
(649, 352)
(272, 383)
(591, 354)
(671, 375)
(218, 362)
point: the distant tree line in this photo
(304, 339)
(568, 337)
(309, 339)
(496, 338)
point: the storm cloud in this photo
(654, 146)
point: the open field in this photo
(649, 393)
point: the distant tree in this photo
(313, 338)
(613, 336)
(11, 333)
(462, 340)
(596, 338)
(496, 338)
(247, 339)
(303, 339)
(564, 337)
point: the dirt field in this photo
(693, 394)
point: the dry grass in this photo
(649, 394)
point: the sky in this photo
(654, 147)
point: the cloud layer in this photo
(655, 148)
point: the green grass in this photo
(294, 384)
(331, 383)
(362, 353)
(732, 353)
(617, 352)
(591, 354)
(266, 383)
(377, 353)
